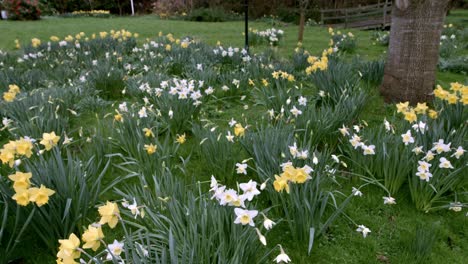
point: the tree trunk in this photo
(301, 26)
(413, 53)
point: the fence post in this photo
(385, 14)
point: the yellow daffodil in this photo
(21, 181)
(54, 39)
(151, 149)
(280, 184)
(421, 108)
(452, 98)
(24, 147)
(68, 249)
(35, 42)
(239, 130)
(49, 140)
(433, 114)
(109, 214)
(410, 116)
(148, 132)
(9, 96)
(21, 197)
(92, 237)
(40, 195)
(13, 88)
(402, 107)
(118, 117)
(181, 139)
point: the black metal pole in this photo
(246, 25)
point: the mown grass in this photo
(390, 243)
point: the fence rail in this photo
(365, 17)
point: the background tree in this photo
(413, 53)
(303, 5)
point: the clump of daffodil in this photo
(69, 249)
(16, 149)
(109, 214)
(49, 140)
(411, 113)
(283, 75)
(456, 93)
(291, 174)
(10, 95)
(318, 63)
(24, 194)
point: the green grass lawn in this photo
(396, 226)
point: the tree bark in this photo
(413, 53)
(301, 26)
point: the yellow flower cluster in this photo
(69, 249)
(458, 93)
(290, 174)
(318, 64)
(92, 12)
(411, 113)
(24, 193)
(15, 149)
(10, 96)
(283, 75)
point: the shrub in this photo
(210, 15)
(22, 9)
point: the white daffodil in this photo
(228, 196)
(142, 113)
(261, 237)
(355, 141)
(232, 122)
(230, 137)
(424, 175)
(302, 101)
(114, 249)
(267, 223)
(423, 166)
(303, 154)
(440, 146)
(364, 230)
(344, 130)
(250, 189)
(368, 150)
(429, 156)
(245, 217)
(241, 168)
(417, 150)
(282, 257)
(356, 192)
(389, 200)
(445, 163)
(293, 150)
(407, 138)
(296, 112)
(458, 152)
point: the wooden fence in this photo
(364, 17)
